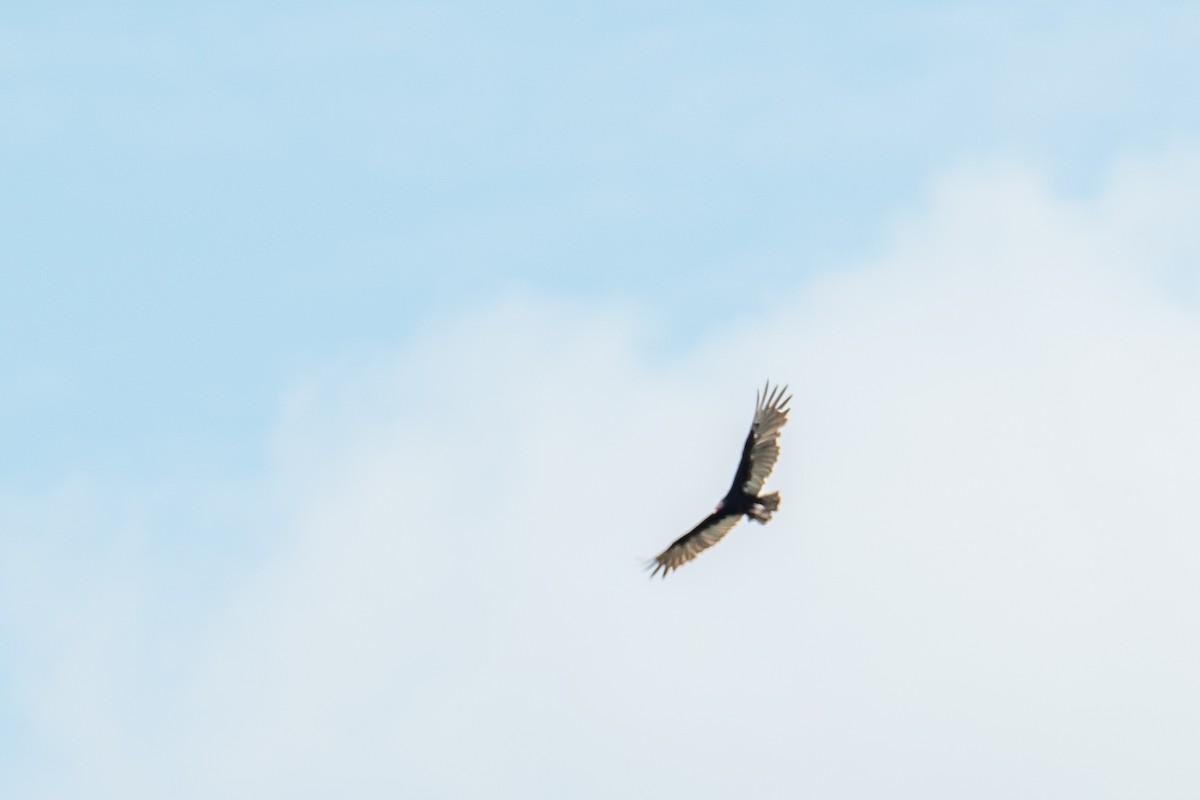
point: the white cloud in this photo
(981, 582)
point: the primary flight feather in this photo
(759, 455)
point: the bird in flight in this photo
(759, 455)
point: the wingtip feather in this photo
(775, 398)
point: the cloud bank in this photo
(981, 582)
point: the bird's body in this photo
(759, 455)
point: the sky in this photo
(358, 355)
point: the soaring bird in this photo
(759, 455)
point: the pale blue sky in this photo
(201, 201)
(335, 335)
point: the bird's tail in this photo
(764, 507)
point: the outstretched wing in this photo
(761, 450)
(694, 542)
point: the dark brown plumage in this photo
(759, 455)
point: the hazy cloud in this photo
(980, 584)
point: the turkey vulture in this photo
(759, 455)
